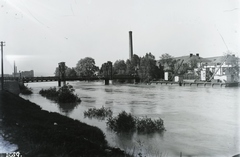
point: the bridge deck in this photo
(54, 78)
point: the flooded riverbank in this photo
(41, 133)
(200, 121)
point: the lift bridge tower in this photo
(62, 74)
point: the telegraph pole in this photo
(2, 81)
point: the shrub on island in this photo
(65, 94)
(126, 122)
(50, 93)
(101, 113)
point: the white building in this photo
(194, 67)
(223, 68)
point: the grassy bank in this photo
(42, 133)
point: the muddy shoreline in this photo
(41, 133)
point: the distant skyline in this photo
(40, 34)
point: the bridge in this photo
(106, 76)
(134, 78)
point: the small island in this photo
(65, 94)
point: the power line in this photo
(222, 38)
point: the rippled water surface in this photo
(200, 121)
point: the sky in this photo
(38, 34)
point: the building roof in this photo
(189, 58)
(229, 59)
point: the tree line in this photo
(145, 68)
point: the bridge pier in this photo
(60, 83)
(134, 81)
(62, 75)
(107, 82)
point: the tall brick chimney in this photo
(130, 45)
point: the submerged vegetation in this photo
(126, 122)
(101, 113)
(25, 90)
(147, 125)
(64, 94)
(50, 93)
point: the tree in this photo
(133, 65)
(168, 62)
(148, 69)
(135, 60)
(119, 67)
(56, 73)
(130, 68)
(69, 72)
(106, 69)
(86, 67)
(182, 68)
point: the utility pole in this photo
(2, 81)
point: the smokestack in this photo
(130, 45)
(14, 70)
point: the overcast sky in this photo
(41, 33)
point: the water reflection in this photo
(108, 90)
(138, 144)
(88, 88)
(109, 102)
(67, 108)
(90, 101)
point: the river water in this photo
(200, 121)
